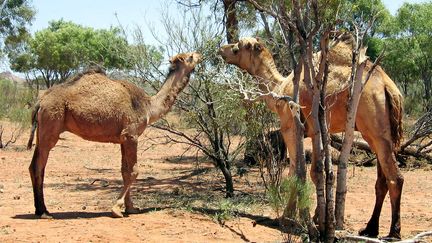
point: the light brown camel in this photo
(99, 109)
(379, 115)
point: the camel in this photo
(99, 109)
(379, 115)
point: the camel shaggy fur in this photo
(379, 115)
(99, 109)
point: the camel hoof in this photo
(45, 215)
(368, 233)
(133, 210)
(392, 237)
(116, 212)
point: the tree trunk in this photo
(329, 175)
(229, 186)
(341, 188)
(231, 22)
(428, 86)
(317, 149)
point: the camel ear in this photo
(258, 38)
(176, 58)
(258, 47)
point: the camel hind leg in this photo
(381, 189)
(389, 179)
(129, 174)
(395, 182)
(45, 142)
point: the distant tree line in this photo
(54, 53)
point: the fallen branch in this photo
(104, 183)
(336, 142)
(416, 239)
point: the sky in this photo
(130, 13)
(101, 14)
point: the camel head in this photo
(248, 54)
(186, 61)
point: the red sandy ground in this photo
(82, 209)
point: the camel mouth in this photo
(198, 57)
(223, 52)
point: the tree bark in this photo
(231, 21)
(229, 185)
(329, 175)
(341, 188)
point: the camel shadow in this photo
(82, 215)
(66, 215)
(99, 184)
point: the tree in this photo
(361, 12)
(212, 112)
(410, 53)
(357, 83)
(309, 22)
(13, 102)
(15, 16)
(64, 47)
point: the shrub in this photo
(14, 108)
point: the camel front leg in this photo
(129, 174)
(289, 140)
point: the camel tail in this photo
(394, 101)
(34, 126)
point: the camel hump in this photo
(94, 69)
(341, 48)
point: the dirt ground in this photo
(180, 198)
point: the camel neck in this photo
(271, 79)
(161, 102)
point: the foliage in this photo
(14, 102)
(64, 47)
(212, 112)
(15, 16)
(289, 189)
(409, 58)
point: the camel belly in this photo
(98, 130)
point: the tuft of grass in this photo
(291, 188)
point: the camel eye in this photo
(235, 49)
(190, 59)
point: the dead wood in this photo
(336, 142)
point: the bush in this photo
(291, 188)
(14, 108)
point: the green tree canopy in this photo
(64, 47)
(409, 52)
(15, 16)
